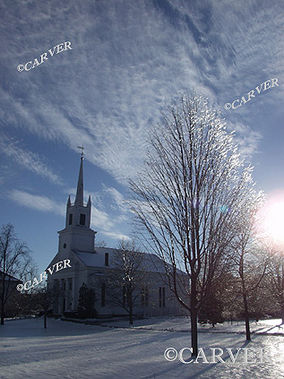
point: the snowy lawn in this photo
(182, 324)
(72, 350)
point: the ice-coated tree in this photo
(275, 278)
(187, 198)
(127, 277)
(15, 261)
(248, 255)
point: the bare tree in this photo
(248, 255)
(251, 270)
(127, 277)
(275, 278)
(187, 198)
(101, 243)
(42, 299)
(15, 261)
(231, 301)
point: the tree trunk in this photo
(130, 310)
(246, 317)
(3, 300)
(193, 319)
(130, 317)
(44, 320)
(193, 316)
(2, 314)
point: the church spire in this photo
(77, 234)
(80, 189)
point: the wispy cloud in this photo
(117, 199)
(40, 203)
(127, 60)
(101, 220)
(247, 139)
(116, 236)
(27, 159)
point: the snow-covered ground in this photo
(72, 350)
(182, 324)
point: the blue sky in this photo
(128, 60)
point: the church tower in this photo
(77, 234)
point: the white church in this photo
(91, 266)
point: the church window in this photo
(70, 219)
(82, 219)
(63, 284)
(144, 297)
(103, 295)
(106, 259)
(162, 297)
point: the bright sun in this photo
(272, 219)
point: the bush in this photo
(86, 307)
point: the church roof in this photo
(149, 263)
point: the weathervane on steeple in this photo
(82, 151)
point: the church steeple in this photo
(77, 233)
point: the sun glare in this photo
(272, 219)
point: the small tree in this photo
(275, 279)
(127, 277)
(230, 297)
(42, 299)
(247, 254)
(212, 307)
(15, 261)
(86, 302)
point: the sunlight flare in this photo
(272, 219)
